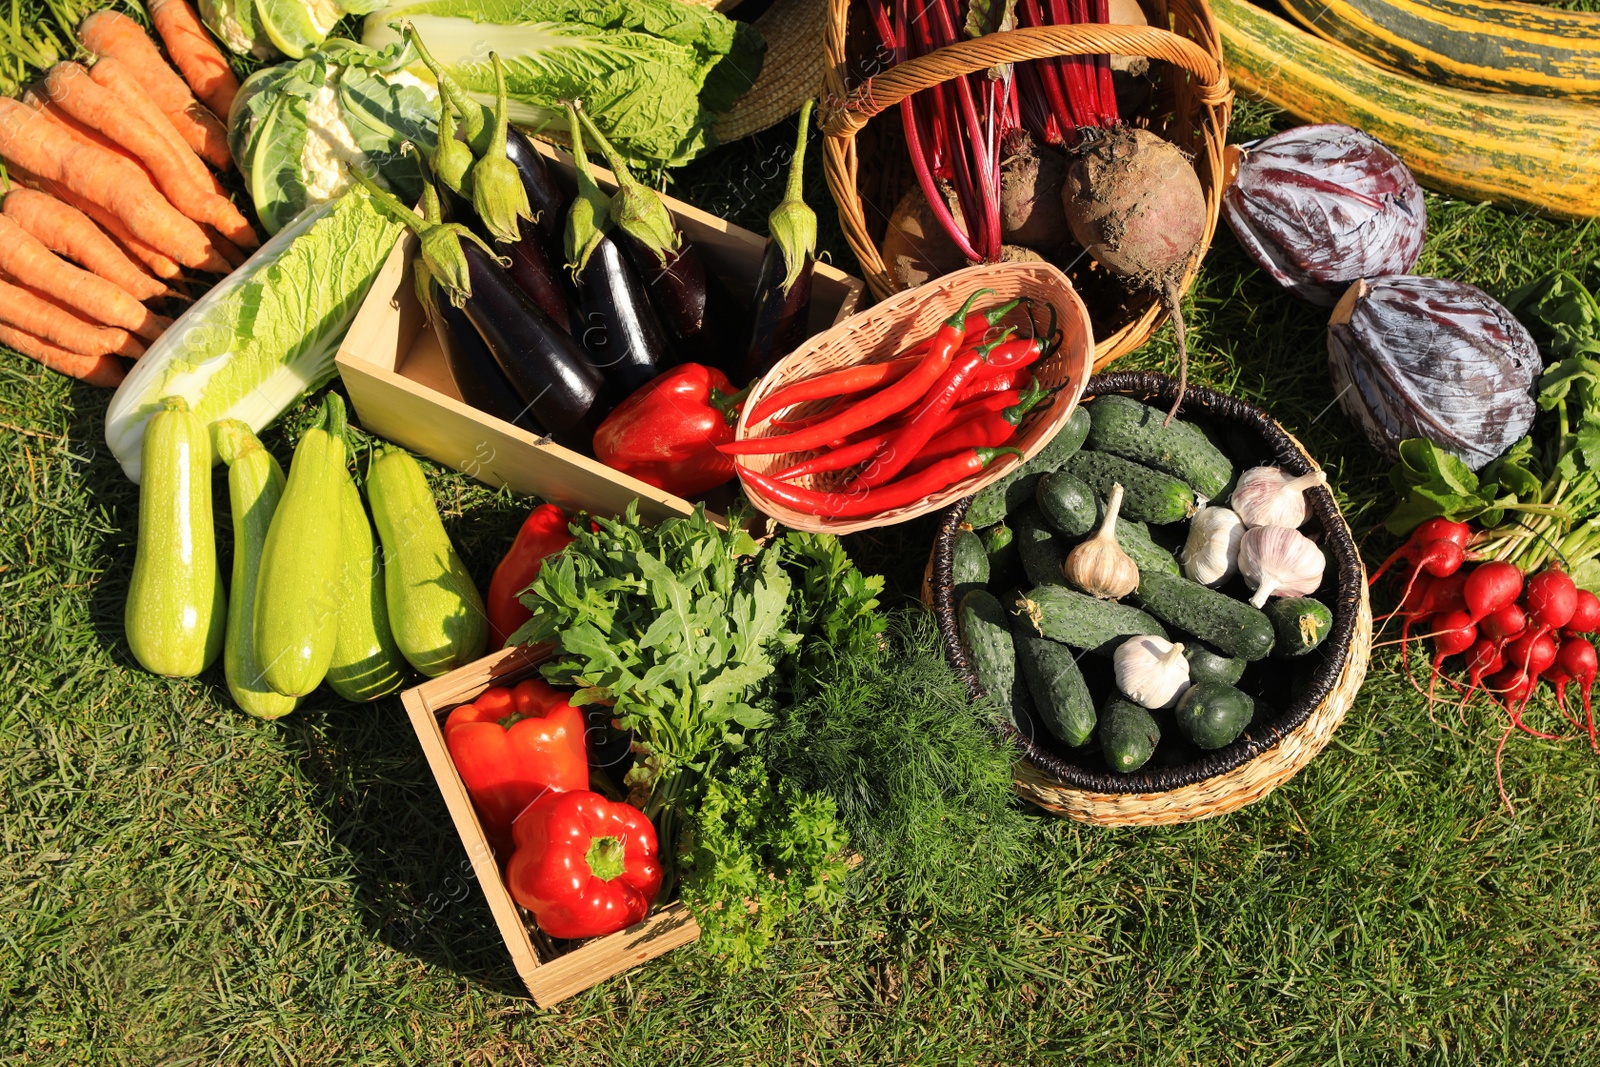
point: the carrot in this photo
(75, 92)
(24, 258)
(115, 75)
(28, 309)
(202, 63)
(111, 33)
(67, 231)
(156, 262)
(103, 371)
(226, 248)
(32, 143)
(35, 99)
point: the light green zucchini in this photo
(297, 595)
(366, 662)
(255, 485)
(435, 612)
(176, 609)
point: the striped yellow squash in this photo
(1484, 45)
(1517, 151)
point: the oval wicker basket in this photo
(885, 329)
(1265, 756)
(868, 170)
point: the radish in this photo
(1531, 653)
(1504, 624)
(1483, 658)
(1135, 204)
(1440, 559)
(1490, 587)
(1439, 596)
(1453, 633)
(1586, 616)
(1552, 599)
(1577, 658)
(1416, 546)
(1558, 677)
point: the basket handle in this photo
(882, 91)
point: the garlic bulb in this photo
(1280, 562)
(1210, 555)
(1099, 566)
(1151, 671)
(1266, 496)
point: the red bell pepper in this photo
(584, 866)
(511, 746)
(666, 434)
(544, 533)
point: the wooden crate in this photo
(395, 374)
(551, 970)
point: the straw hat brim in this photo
(790, 75)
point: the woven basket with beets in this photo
(1310, 694)
(868, 169)
(886, 329)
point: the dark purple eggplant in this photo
(552, 375)
(780, 317)
(620, 329)
(544, 193)
(478, 378)
(530, 267)
(700, 314)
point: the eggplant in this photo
(700, 314)
(546, 196)
(564, 391)
(479, 379)
(780, 317)
(620, 329)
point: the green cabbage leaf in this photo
(267, 333)
(654, 74)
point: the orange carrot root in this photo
(34, 144)
(28, 309)
(111, 33)
(202, 63)
(26, 259)
(104, 371)
(67, 231)
(118, 77)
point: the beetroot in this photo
(1320, 206)
(1135, 204)
(1030, 195)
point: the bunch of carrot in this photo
(108, 197)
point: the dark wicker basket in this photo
(1264, 756)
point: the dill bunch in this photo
(919, 779)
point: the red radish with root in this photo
(1586, 615)
(1551, 598)
(1532, 653)
(1453, 633)
(1483, 658)
(1578, 661)
(1490, 587)
(1505, 624)
(1416, 548)
(1438, 559)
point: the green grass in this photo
(182, 884)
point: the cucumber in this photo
(1060, 695)
(1066, 503)
(1147, 495)
(969, 563)
(1083, 621)
(175, 609)
(435, 612)
(1040, 551)
(366, 662)
(1301, 623)
(297, 602)
(988, 639)
(1136, 431)
(1128, 735)
(1208, 665)
(1134, 537)
(996, 501)
(255, 485)
(1228, 625)
(1213, 714)
(999, 542)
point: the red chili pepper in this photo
(667, 432)
(511, 746)
(995, 379)
(874, 409)
(845, 505)
(930, 415)
(849, 453)
(871, 375)
(544, 533)
(584, 866)
(981, 429)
